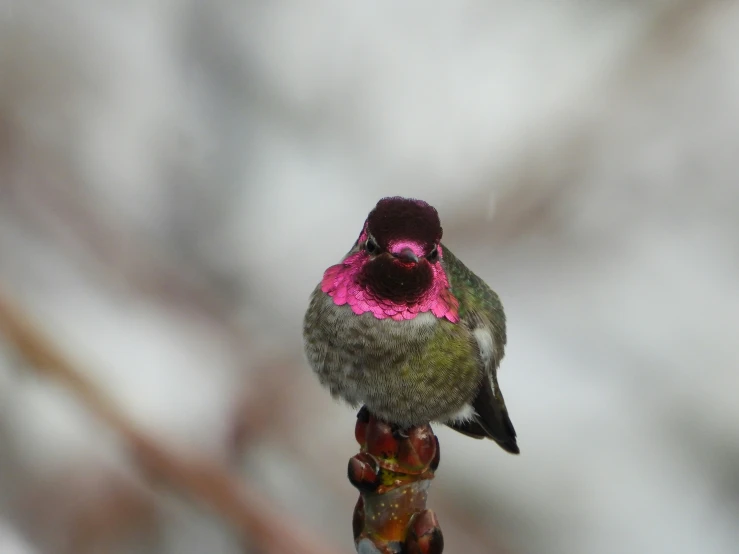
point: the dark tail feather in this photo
(492, 419)
(470, 428)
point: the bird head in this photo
(395, 267)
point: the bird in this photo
(403, 327)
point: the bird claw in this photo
(412, 451)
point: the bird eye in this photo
(433, 255)
(371, 246)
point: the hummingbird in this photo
(402, 326)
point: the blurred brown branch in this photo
(230, 496)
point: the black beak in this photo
(407, 255)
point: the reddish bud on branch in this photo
(393, 472)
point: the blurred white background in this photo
(175, 177)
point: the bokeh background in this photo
(175, 176)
